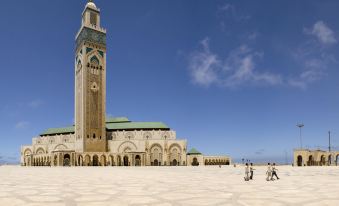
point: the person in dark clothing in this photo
(251, 171)
(274, 172)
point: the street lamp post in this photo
(329, 141)
(300, 125)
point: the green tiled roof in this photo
(136, 125)
(116, 119)
(194, 151)
(63, 130)
(117, 123)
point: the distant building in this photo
(306, 157)
(96, 140)
(196, 158)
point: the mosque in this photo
(97, 140)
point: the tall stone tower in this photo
(90, 83)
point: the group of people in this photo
(271, 172)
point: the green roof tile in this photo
(136, 125)
(63, 130)
(117, 123)
(194, 151)
(116, 119)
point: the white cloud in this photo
(22, 125)
(311, 75)
(35, 103)
(306, 77)
(227, 7)
(324, 34)
(237, 69)
(204, 65)
(313, 56)
(241, 67)
(297, 83)
(233, 12)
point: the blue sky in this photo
(231, 77)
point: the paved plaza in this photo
(165, 186)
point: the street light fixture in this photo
(300, 125)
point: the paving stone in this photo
(166, 186)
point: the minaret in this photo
(90, 83)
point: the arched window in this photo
(95, 61)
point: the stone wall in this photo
(305, 157)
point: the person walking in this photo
(247, 171)
(269, 172)
(274, 172)
(251, 171)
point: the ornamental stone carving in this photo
(147, 135)
(129, 135)
(91, 35)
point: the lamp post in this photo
(300, 125)
(329, 141)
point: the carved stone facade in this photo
(125, 148)
(90, 83)
(306, 157)
(96, 140)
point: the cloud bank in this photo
(237, 69)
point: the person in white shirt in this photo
(269, 172)
(247, 171)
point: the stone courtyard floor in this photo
(101, 186)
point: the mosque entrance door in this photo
(329, 159)
(156, 163)
(195, 162)
(174, 162)
(310, 161)
(137, 161)
(95, 160)
(67, 160)
(300, 161)
(125, 161)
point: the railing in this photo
(93, 26)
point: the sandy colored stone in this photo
(210, 185)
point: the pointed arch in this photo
(60, 147)
(40, 150)
(156, 145)
(27, 151)
(127, 144)
(95, 55)
(156, 154)
(94, 60)
(175, 145)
